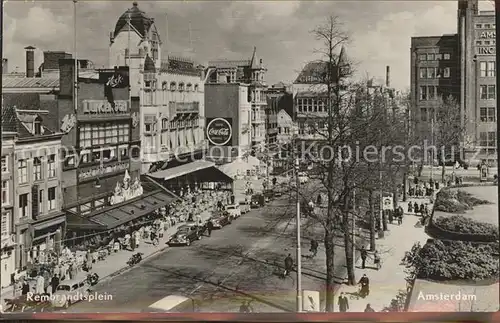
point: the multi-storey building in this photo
(251, 72)
(462, 65)
(170, 93)
(38, 221)
(8, 240)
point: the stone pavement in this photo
(116, 263)
(386, 283)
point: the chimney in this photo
(5, 66)
(30, 61)
(388, 76)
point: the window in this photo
(52, 198)
(487, 26)
(479, 26)
(5, 167)
(439, 57)
(446, 72)
(431, 72)
(492, 139)
(40, 202)
(487, 114)
(196, 87)
(423, 73)
(37, 168)
(103, 134)
(479, 43)
(432, 92)
(487, 92)
(482, 68)
(173, 87)
(5, 193)
(430, 57)
(181, 86)
(148, 127)
(423, 114)
(491, 92)
(37, 127)
(23, 205)
(189, 87)
(486, 42)
(22, 171)
(491, 69)
(5, 224)
(446, 56)
(423, 93)
(422, 57)
(51, 165)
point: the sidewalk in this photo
(386, 283)
(116, 263)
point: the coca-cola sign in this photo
(219, 131)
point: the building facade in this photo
(8, 241)
(462, 65)
(227, 107)
(251, 72)
(170, 93)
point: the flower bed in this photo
(442, 260)
(463, 225)
(456, 201)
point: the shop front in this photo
(8, 260)
(44, 237)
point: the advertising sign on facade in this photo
(104, 107)
(102, 170)
(387, 203)
(219, 131)
(115, 79)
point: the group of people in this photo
(343, 301)
(422, 189)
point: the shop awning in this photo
(122, 214)
(178, 171)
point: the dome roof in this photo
(138, 19)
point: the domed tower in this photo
(135, 36)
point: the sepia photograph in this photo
(248, 157)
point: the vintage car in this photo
(221, 220)
(244, 207)
(70, 292)
(233, 210)
(186, 234)
(257, 201)
(268, 195)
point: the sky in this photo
(379, 31)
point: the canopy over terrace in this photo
(199, 173)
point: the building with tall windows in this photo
(462, 65)
(169, 91)
(251, 72)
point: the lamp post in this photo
(299, 253)
(75, 72)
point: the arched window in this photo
(196, 87)
(173, 86)
(164, 85)
(181, 86)
(189, 87)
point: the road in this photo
(238, 262)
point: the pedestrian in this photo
(288, 265)
(89, 259)
(132, 242)
(274, 181)
(410, 207)
(376, 260)
(422, 209)
(40, 284)
(369, 308)
(319, 200)
(26, 288)
(343, 303)
(314, 248)
(364, 254)
(210, 227)
(365, 286)
(415, 180)
(400, 218)
(54, 283)
(137, 238)
(415, 207)
(245, 307)
(13, 278)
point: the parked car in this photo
(257, 201)
(233, 210)
(70, 292)
(244, 207)
(268, 195)
(221, 220)
(186, 234)
(303, 178)
(278, 192)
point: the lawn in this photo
(483, 213)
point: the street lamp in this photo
(299, 253)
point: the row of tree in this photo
(368, 120)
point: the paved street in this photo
(242, 258)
